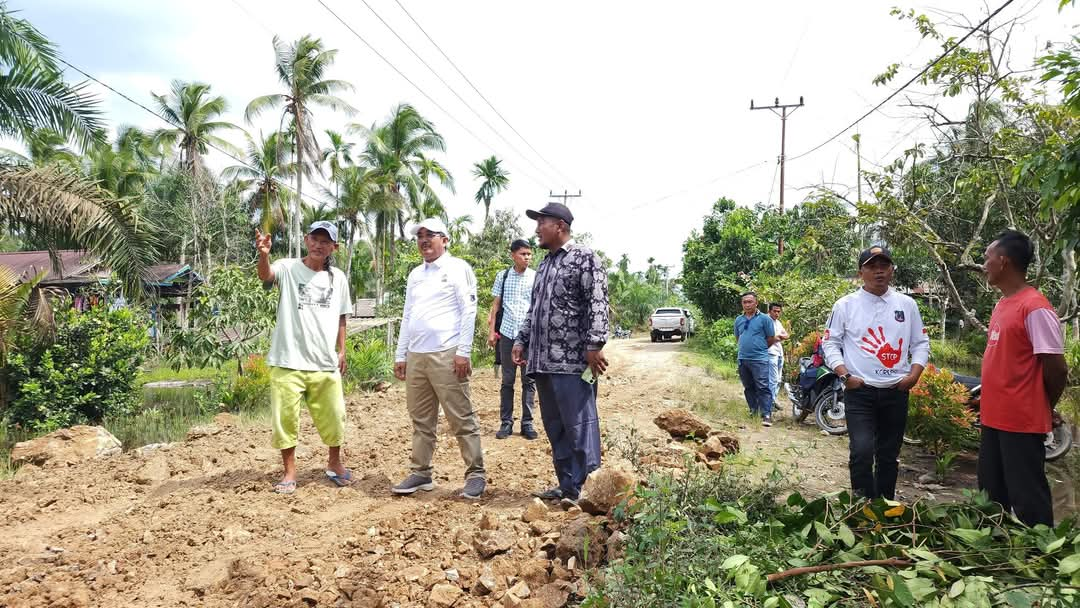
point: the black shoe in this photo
(553, 494)
(766, 421)
(505, 431)
(529, 433)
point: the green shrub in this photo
(938, 413)
(954, 354)
(88, 372)
(719, 338)
(250, 391)
(367, 363)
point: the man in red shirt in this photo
(1023, 376)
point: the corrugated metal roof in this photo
(79, 267)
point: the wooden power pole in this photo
(565, 196)
(782, 111)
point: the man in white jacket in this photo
(876, 343)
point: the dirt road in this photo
(195, 523)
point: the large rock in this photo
(718, 446)
(444, 595)
(583, 537)
(154, 471)
(536, 511)
(553, 595)
(681, 423)
(67, 446)
(489, 543)
(606, 487)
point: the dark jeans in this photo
(1012, 470)
(506, 393)
(568, 409)
(755, 381)
(876, 418)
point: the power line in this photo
(179, 126)
(922, 72)
(414, 85)
(701, 185)
(477, 91)
(454, 91)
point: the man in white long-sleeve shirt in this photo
(876, 343)
(433, 358)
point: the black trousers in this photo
(1012, 470)
(876, 418)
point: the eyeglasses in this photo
(428, 236)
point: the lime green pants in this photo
(325, 401)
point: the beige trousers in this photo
(430, 381)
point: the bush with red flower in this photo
(938, 414)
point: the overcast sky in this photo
(643, 106)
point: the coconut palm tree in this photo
(338, 155)
(361, 196)
(301, 68)
(398, 148)
(267, 165)
(195, 113)
(459, 229)
(493, 180)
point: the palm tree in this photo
(363, 199)
(58, 207)
(398, 148)
(55, 205)
(33, 94)
(43, 147)
(459, 229)
(124, 168)
(266, 166)
(338, 155)
(493, 180)
(301, 67)
(194, 112)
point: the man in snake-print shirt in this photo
(563, 335)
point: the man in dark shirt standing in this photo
(561, 343)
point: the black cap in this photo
(555, 210)
(876, 251)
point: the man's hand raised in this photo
(263, 242)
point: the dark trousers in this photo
(568, 409)
(876, 418)
(506, 393)
(1012, 470)
(755, 381)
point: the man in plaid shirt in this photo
(513, 294)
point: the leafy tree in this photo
(493, 180)
(729, 244)
(301, 68)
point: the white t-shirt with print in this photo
(311, 304)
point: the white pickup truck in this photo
(667, 323)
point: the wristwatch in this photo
(844, 378)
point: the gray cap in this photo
(329, 227)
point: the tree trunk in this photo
(294, 222)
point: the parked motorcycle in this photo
(818, 390)
(621, 332)
(825, 397)
(1057, 442)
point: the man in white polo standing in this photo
(875, 341)
(433, 358)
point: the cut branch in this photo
(893, 562)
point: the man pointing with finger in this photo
(561, 343)
(433, 358)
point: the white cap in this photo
(431, 224)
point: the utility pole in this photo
(858, 166)
(782, 111)
(565, 196)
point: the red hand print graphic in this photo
(878, 346)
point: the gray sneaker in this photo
(474, 487)
(413, 483)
